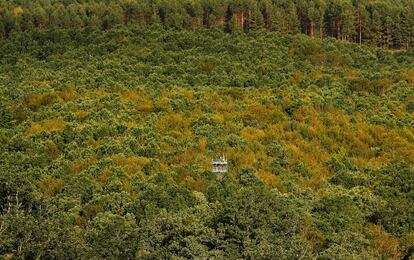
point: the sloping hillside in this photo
(106, 140)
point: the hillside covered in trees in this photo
(381, 23)
(112, 111)
(106, 139)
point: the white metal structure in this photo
(219, 166)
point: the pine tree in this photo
(292, 19)
(256, 21)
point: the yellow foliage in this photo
(35, 128)
(97, 93)
(292, 136)
(407, 133)
(82, 114)
(54, 125)
(18, 10)
(275, 130)
(130, 95)
(315, 182)
(219, 118)
(225, 105)
(270, 180)
(34, 101)
(130, 124)
(259, 113)
(203, 145)
(187, 157)
(80, 165)
(315, 75)
(308, 132)
(241, 158)
(306, 115)
(353, 73)
(105, 175)
(188, 93)
(50, 186)
(398, 148)
(387, 245)
(47, 126)
(167, 147)
(68, 95)
(251, 133)
(8, 256)
(144, 106)
(131, 165)
(296, 77)
(408, 76)
(310, 232)
(171, 122)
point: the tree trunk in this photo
(246, 25)
(242, 20)
(206, 21)
(312, 29)
(321, 29)
(359, 28)
(338, 29)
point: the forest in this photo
(380, 23)
(112, 111)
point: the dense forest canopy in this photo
(106, 139)
(381, 23)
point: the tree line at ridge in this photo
(384, 23)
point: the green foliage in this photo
(384, 23)
(107, 134)
(112, 235)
